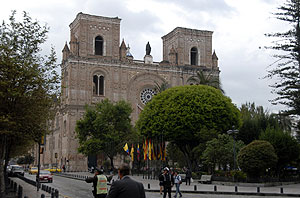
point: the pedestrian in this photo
(64, 168)
(168, 182)
(161, 182)
(177, 181)
(188, 176)
(126, 187)
(99, 184)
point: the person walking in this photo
(161, 182)
(188, 176)
(99, 184)
(126, 187)
(168, 182)
(177, 181)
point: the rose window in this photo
(146, 95)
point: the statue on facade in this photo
(148, 49)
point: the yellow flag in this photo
(149, 151)
(132, 152)
(126, 148)
(153, 152)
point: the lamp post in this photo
(233, 132)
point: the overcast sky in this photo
(238, 39)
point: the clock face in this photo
(146, 95)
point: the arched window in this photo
(98, 85)
(194, 54)
(99, 45)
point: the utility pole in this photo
(39, 165)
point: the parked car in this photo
(33, 170)
(53, 169)
(46, 176)
(16, 170)
(8, 169)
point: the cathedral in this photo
(97, 65)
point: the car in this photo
(53, 169)
(8, 169)
(33, 170)
(46, 176)
(16, 170)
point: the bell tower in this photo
(184, 46)
(95, 36)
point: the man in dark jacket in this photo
(99, 184)
(126, 187)
(168, 182)
(188, 176)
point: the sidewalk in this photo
(29, 190)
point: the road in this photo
(72, 188)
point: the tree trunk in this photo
(187, 154)
(112, 162)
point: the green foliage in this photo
(286, 147)
(210, 79)
(219, 151)
(256, 157)
(255, 120)
(287, 69)
(161, 87)
(28, 81)
(175, 155)
(181, 114)
(238, 175)
(27, 159)
(105, 128)
(29, 84)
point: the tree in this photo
(219, 151)
(286, 147)
(161, 87)
(28, 86)
(175, 155)
(105, 128)
(255, 120)
(256, 157)
(27, 159)
(211, 79)
(181, 115)
(287, 71)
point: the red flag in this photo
(138, 152)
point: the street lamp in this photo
(233, 132)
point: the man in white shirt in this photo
(177, 181)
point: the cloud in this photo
(217, 6)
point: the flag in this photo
(132, 153)
(159, 152)
(138, 152)
(149, 150)
(153, 157)
(144, 153)
(164, 151)
(145, 150)
(126, 148)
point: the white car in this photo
(16, 170)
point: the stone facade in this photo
(95, 66)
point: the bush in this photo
(256, 157)
(239, 175)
